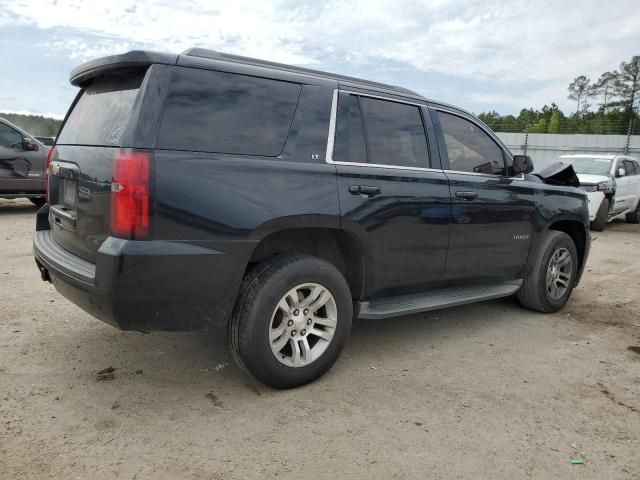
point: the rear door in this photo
(81, 164)
(390, 196)
(21, 170)
(492, 214)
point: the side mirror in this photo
(522, 164)
(621, 172)
(29, 145)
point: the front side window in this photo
(629, 167)
(469, 148)
(10, 138)
(210, 111)
(395, 133)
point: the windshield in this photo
(588, 166)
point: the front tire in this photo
(291, 320)
(548, 285)
(600, 221)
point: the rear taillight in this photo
(46, 174)
(130, 195)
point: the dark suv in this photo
(22, 164)
(204, 189)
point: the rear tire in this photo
(38, 202)
(600, 221)
(312, 339)
(634, 217)
(542, 289)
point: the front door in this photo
(626, 186)
(390, 198)
(492, 214)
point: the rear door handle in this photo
(467, 195)
(367, 190)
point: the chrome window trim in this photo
(332, 135)
(489, 175)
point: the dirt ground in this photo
(482, 391)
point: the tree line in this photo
(609, 105)
(36, 125)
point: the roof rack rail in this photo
(228, 57)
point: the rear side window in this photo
(103, 111)
(220, 112)
(349, 142)
(395, 134)
(469, 148)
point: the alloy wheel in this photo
(559, 273)
(303, 325)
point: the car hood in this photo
(586, 179)
(558, 173)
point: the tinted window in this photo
(102, 113)
(469, 148)
(636, 167)
(349, 142)
(629, 167)
(395, 134)
(227, 113)
(9, 137)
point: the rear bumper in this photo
(150, 285)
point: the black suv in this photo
(205, 189)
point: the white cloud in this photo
(511, 43)
(485, 38)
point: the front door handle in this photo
(366, 190)
(467, 195)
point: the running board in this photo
(617, 215)
(436, 299)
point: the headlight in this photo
(589, 188)
(607, 186)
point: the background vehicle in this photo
(206, 189)
(612, 183)
(22, 162)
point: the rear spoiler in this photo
(134, 59)
(559, 173)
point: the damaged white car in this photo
(612, 183)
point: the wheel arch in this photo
(339, 247)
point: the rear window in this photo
(101, 114)
(220, 112)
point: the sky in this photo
(481, 55)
